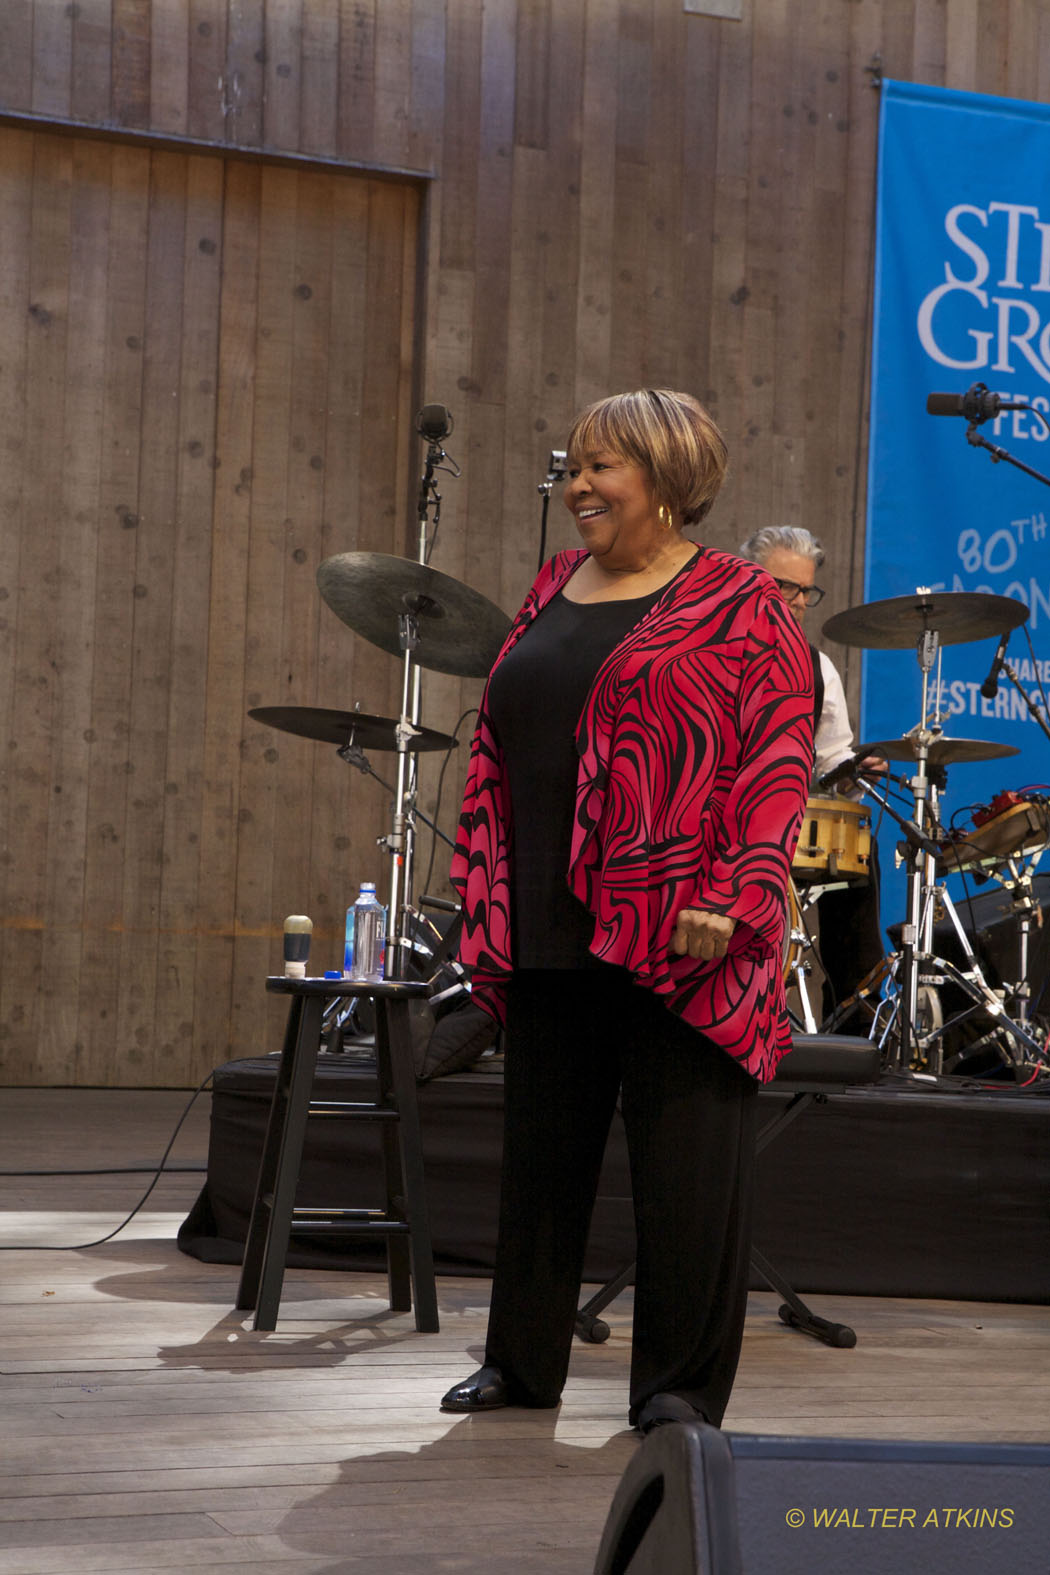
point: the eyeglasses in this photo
(791, 590)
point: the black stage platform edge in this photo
(884, 1191)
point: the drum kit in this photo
(1005, 843)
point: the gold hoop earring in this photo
(665, 517)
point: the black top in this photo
(535, 699)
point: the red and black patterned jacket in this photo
(696, 748)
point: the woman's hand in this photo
(702, 935)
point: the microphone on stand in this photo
(434, 422)
(844, 770)
(977, 404)
(990, 687)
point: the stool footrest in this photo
(322, 1211)
(389, 1227)
(360, 1111)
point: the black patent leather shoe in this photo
(661, 1409)
(485, 1390)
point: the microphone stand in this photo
(974, 438)
(979, 404)
(555, 472)
(401, 843)
(1034, 710)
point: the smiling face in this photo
(616, 513)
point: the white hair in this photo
(789, 538)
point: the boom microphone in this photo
(977, 404)
(434, 422)
(990, 687)
(844, 770)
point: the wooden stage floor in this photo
(148, 1428)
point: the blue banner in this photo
(962, 296)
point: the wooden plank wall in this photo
(621, 194)
(215, 390)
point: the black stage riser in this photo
(875, 1192)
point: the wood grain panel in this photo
(355, 100)
(210, 101)
(169, 42)
(50, 34)
(197, 466)
(38, 677)
(161, 258)
(16, 54)
(225, 700)
(130, 70)
(75, 599)
(121, 358)
(93, 46)
(320, 74)
(395, 70)
(243, 74)
(598, 233)
(175, 322)
(16, 195)
(283, 73)
(427, 100)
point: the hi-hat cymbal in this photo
(346, 727)
(943, 751)
(901, 621)
(460, 631)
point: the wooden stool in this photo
(410, 1259)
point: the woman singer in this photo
(636, 784)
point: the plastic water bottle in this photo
(365, 949)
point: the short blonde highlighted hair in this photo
(670, 435)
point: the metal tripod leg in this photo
(797, 974)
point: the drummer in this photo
(850, 938)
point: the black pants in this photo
(574, 1041)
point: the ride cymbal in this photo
(346, 727)
(942, 752)
(901, 621)
(460, 631)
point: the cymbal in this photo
(345, 727)
(460, 631)
(943, 751)
(900, 621)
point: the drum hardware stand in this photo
(1017, 883)
(807, 1024)
(918, 967)
(799, 970)
(1024, 905)
(870, 986)
(920, 851)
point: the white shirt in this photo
(833, 739)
